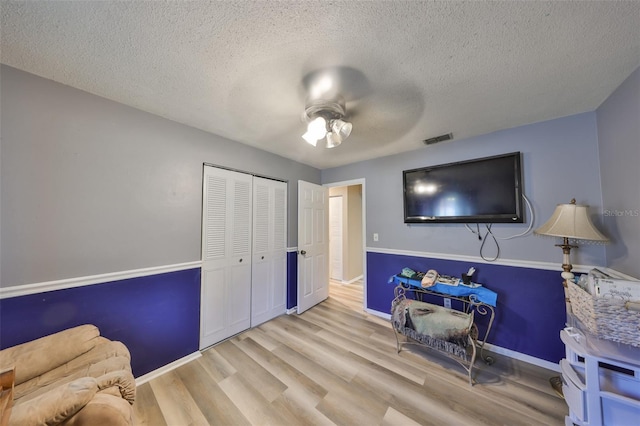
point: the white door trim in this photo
(336, 238)
(362, 182)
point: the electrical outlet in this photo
(447, 302)
(375, 236)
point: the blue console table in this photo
(479, 294)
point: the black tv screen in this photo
(484, 190)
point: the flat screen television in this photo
(484, 190)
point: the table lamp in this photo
(569, 221)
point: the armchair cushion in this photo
(103, 410)
(55, 406)
(105, 357)
(36, 357)
(122, 381)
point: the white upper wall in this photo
(560, 162)
(90, 186)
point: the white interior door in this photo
(335, 237)
(313, 245)
(226, 255)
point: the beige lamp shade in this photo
(571, 221)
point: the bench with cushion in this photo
(450, 332)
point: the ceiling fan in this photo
(325, 110)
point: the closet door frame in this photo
(278, 267)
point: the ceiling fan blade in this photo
(330, 82)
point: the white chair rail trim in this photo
(551, 266)
(26, 289)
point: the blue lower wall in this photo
(530, 311)
(157, 317)
(292, 279)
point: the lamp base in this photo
(567, 275)
(556, 385)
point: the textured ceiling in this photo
(409, 70)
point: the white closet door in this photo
(226, 255)
(269, 265)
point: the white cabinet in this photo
(601, 380)
(244, 226)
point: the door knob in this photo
(302, 252)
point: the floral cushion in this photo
(436, 326)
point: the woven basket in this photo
(606, 317)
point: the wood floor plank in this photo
(395, 418)
(344, 326)
(215, 364)
(214, 404)
(387, 360)
(384, 339)
(253, 405)
(146, 411)
(283, 371)
(175, 401)
(418, 401)
(259, 336)
(303, 406)
(309, 346)
(264, 382)
(315, 372)
(353, 405)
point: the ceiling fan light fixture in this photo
(341, 128)
(333, 140)
(325, 120)
(316, 130)
(311, 140)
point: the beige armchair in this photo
(74, 377)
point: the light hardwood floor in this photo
(336, 364)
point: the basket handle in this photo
(632, 306)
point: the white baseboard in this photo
(166, 368)
(352, 280)
(292, 310)
(378, 313)
(523, 357)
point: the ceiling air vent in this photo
(437, 139)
